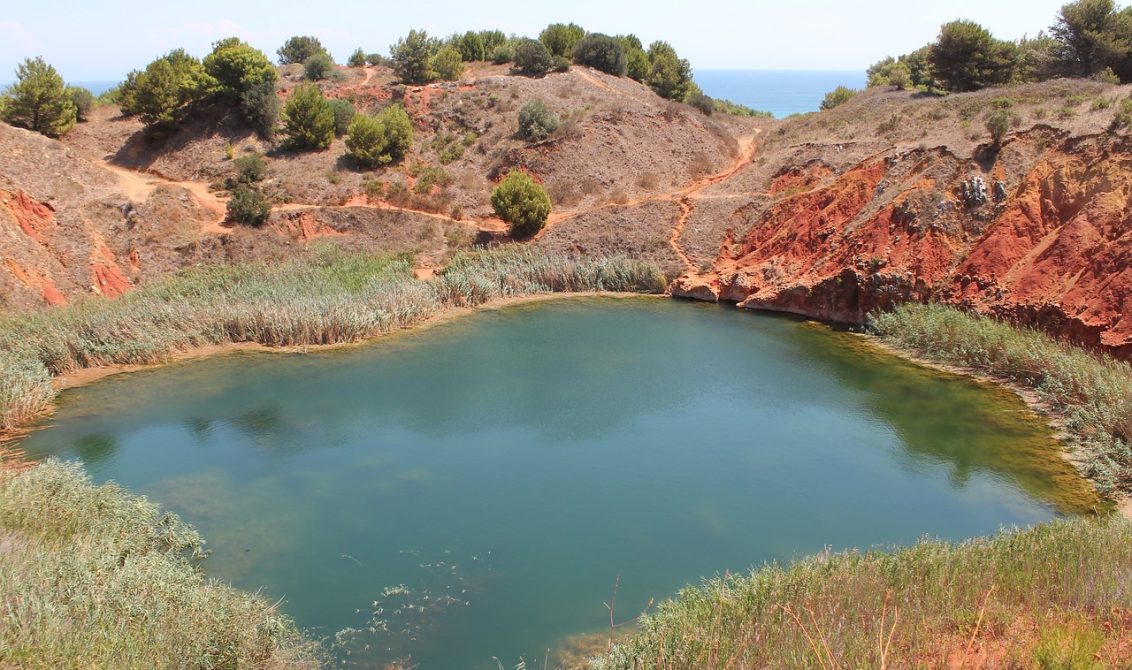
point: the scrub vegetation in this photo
(333, 297)
(1054, 596)
(1093, 393)
(93, 577)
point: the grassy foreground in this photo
(331, 298)
(92, 577)
(1055, 596)
(1093, 393)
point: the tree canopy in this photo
(299, 48)
(412, 57)
(39, 100)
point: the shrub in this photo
(637, 64)
(837, 97)
(561, 64)
(536, 121)
(372, 142)
(471, 47)
(669, 75)
(318, 67)
(412, 58)
(561, 38)
(250, 168)
(601, 52)
(260, 107)
(1123, 117)
(238, 68)
(83, 101)
(248, 206)
(357, 59)
(532, 58)
(344, 113)
(504, 53)
(890, 72)
(308, 119)
(299, 48)
(998, 124)
(521, 202)
(448, 64)
(39, 101)
(377, 59)
(701, 102)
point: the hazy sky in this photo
(103, 40)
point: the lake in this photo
(780, 92)
(476, 489)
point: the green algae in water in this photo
(475, 489)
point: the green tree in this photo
(532, 58)
(448, 64)
(837, 97)
(260, 107)
(1094, 35)
(308, 119)
(248, 206)
(299, 48)
(372, 142)
(669, 75)
(412, 58)
(1039, 59)
(318, 67)
(536, 121)
(637, 64)
(492, 39)
(601, 52)
(521, 202)
(344, 113)
(471, 47)
(38, 100)
(890, 72)
(561, 38)
(504, 53)
(161, 93)
(238, 67)
(357, 59)
(966, 57)
(83, 100)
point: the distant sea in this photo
(95, 87)
(780, 92)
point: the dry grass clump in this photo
(93, 577)
(330, 298)
(1092, 392)
(931, 605)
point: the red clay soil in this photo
(1056, 252)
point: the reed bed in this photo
(1092, 392)
(1054, 596)
(93, 577)
(331, 298)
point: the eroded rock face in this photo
(1051, 247)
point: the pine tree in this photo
(39, 100)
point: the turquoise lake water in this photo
(474, 490)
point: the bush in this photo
(372, 142)
(1123, 117)
(504, 53)
(83, 101)
(39, 101)
(318, 67)
(637, 64)
(837, 97)
(561, 64)
(299, 48)
(377, 59)
(532, 58)
(357, 59)
(669, 75)
(308, 119)
(536, 121)
(561, 38)
(412, 58)
(250, 168)
(238, 68)
(601, 52)
(248, 206)
(521, 202)
(344, 113)
(260, 107)
(998, 124)
(701, 102)
(448, 64)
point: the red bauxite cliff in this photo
(1039, 232)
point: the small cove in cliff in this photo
(474, 490)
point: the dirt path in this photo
(138, 186)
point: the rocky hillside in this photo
(891, 197)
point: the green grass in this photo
(1043, 595)
(330, 298)
(1092, 392)
(93, 577)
